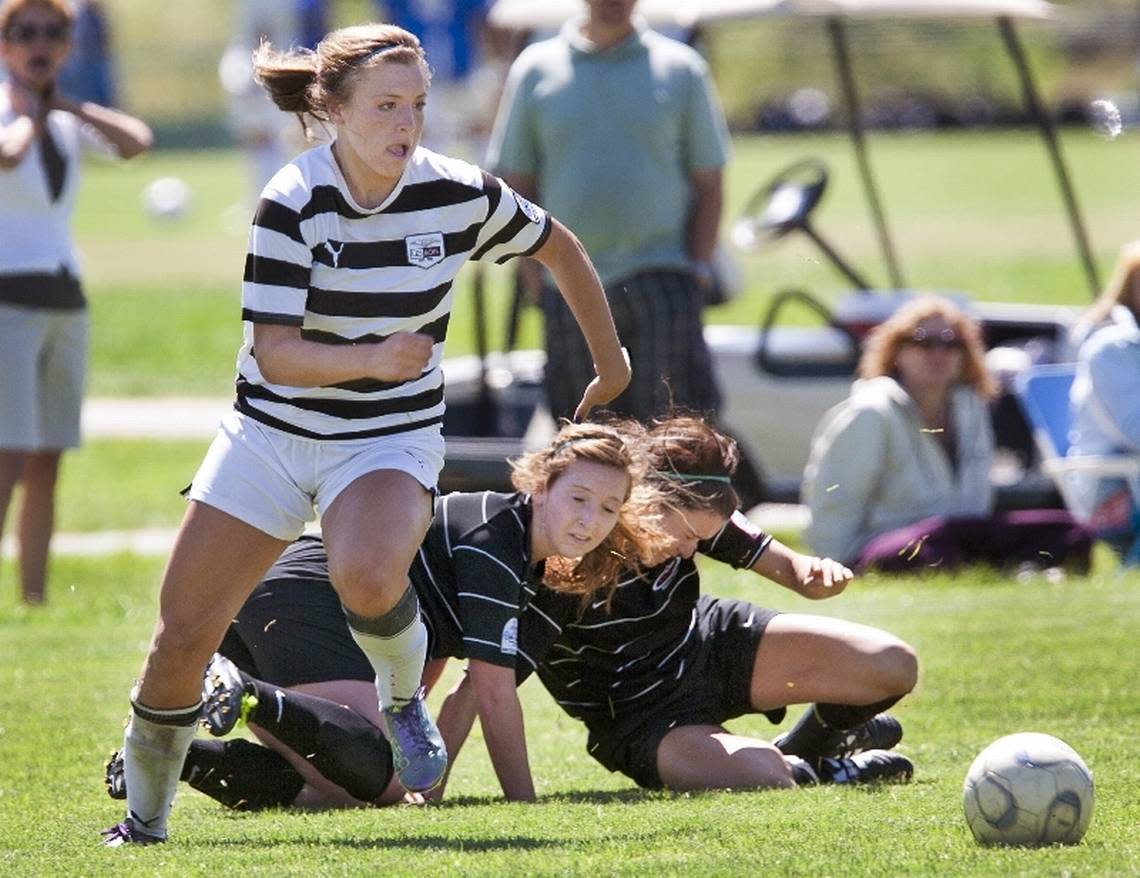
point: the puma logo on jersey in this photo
(426, 250)
(334, 248)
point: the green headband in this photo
(693, 477)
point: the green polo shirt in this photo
(611, 137)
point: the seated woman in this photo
(484, 558)
(1106, 406)
(898, 477)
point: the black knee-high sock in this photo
(814, 733)
(241, 775)
(337, 741)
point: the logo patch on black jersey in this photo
(509, 642)
(425, 250)
(533, 211)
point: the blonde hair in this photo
(632, 536)
(881, 349)
(308, 82)
(9, 8)
(1124, 275)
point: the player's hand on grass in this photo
(403, 356)
(821, 577)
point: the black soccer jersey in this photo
(472, 575)
(345, 275)
(599, 662)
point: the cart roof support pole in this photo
(837, 31)
(1049, 134)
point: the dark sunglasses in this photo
(27, 33)
(944, 338)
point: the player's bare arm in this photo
(284, 357)
(566, 259)
(809, 576)
(501, 718)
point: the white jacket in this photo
(873, 469)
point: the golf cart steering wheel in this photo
(784, 204)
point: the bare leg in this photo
(708, 757)
(216, 561)
(372, 531)
(37, 521)
(11, 467)
(806, 658)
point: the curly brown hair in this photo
(634, 534)
(881, 349)
(309, 82)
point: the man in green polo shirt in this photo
(616, 130)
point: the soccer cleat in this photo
(222, 697)
(127, 833)
(882, 732)
(115, 777)
(870, 766)
(418, 752)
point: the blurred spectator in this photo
(899, 473)
(43, 313)
(88, 74)
(268, 137)
(451, 32)
(617, 129)
(1106, 405)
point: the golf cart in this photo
(495, 400)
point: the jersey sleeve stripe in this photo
(493, 191)
(486, 554)
(473, 595)
(277, 217)
(264, 270)
(270, 317)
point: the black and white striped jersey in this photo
(347, 275)
(604, 662)
(473, 575)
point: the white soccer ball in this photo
(1028, 789)
(166, 197)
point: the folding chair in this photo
(1043, 392)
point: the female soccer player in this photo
(657, 670)
(484, 558)
(348, 284)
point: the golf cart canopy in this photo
(534, 14)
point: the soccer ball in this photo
(166, 198)
(1028, 789)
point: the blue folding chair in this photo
(1043, 392)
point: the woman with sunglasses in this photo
(899, 473)
(43, 316)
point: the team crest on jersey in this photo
(533, 211)
(509, 643)
(425, 250)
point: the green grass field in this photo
(976, 212)
(997, 656)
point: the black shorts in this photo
(715, 687)
(293, 631)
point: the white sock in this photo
(398, 660)
(154, 749)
